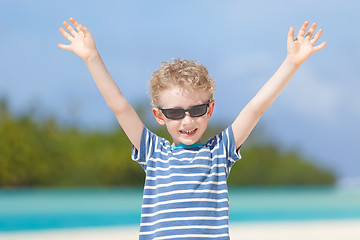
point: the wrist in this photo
(291, 62)
(92, 56)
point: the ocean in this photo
(58, 208)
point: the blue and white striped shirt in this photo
(185, 193)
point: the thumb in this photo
(63, 46)
(290, 37)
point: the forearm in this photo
(298, 51)
(83, 45)
(274, 86)
(105, 83)
(251, 114)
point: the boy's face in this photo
(187, 130)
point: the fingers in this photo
(70, 28)
(81, 30)
(302, 30)
(319, 47)
(316, 37)
(62, 46)
(78, 26)
(66, 34)
(311, 31)
(309, 34)
(84, 29)
(291, 35)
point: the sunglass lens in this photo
(174, 113)
(198, 111)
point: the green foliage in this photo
(41, 153)
(267, 165)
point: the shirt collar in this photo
(186, 146)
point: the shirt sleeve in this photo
(228, 142)
(147, 146)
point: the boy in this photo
(185, 193)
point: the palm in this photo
(301, 48)
(81, 41)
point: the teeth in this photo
(188, 132)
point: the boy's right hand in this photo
(82, 42)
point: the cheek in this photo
(202, 121)
(172, 126)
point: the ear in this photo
(158, 116)
(211, 109)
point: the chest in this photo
(186, 165)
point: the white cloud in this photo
(311, 97)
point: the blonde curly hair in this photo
(183, 73)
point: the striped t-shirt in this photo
(185, 193)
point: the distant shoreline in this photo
(87, 208)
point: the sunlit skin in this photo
(189, 129)
(299, 49)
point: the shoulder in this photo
(225, 135)
(152, 143)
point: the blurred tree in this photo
(37, 152)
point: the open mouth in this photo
(188, 132)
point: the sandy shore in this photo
(329, 230)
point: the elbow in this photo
(119, 108)
(257, 109)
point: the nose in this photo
(187, 118)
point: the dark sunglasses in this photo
(179, 113)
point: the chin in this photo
(189, 141)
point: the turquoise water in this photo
(36, 209)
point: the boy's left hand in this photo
(300, 49)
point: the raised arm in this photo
(298, 51)
(82, 43)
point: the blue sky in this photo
(242, 43)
